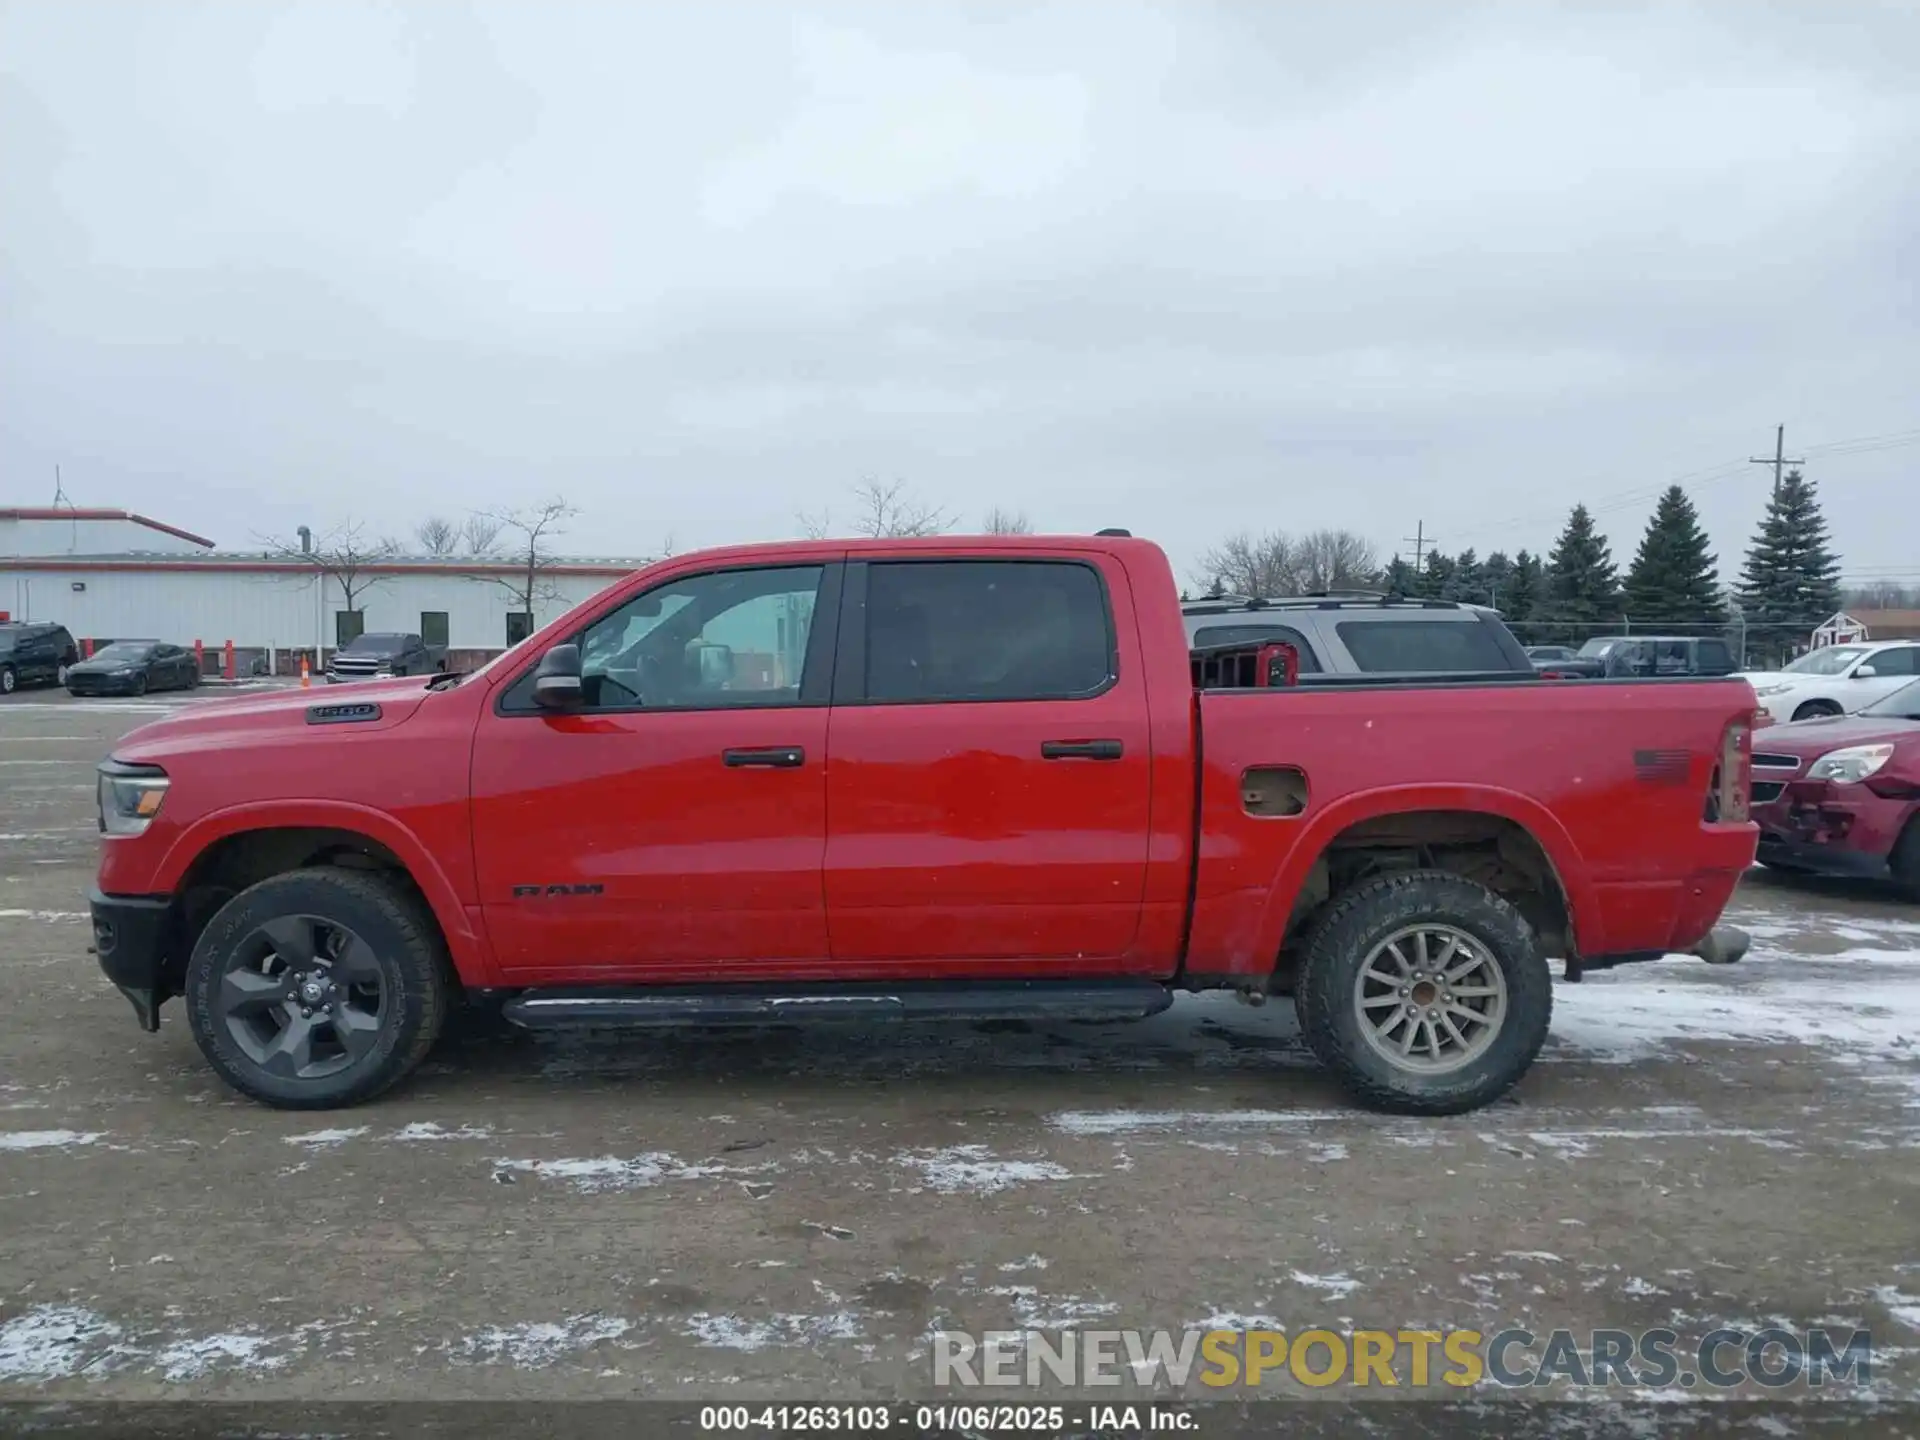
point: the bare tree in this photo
(1006, 522)
(478, 532)
(1879, 595)
(437, 535)
(1333, 560)
(530, 530)
(1258, 566)
(342, 555)
(882, 509)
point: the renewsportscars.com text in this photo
(1515, 1358)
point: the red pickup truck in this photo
(953, 778)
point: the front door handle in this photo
(775, 757)
(1080, 750)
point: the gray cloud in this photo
(1183, 267)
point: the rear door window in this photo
(1247, 634)
(1715, 658)
(1412, 647)
(960, 630)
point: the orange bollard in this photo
(229, 664)
(306, 681)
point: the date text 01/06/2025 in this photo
(941, 1419)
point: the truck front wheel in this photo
(317, 988)
(1424, 993)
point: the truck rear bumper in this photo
(131, 935)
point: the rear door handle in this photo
(1081, 750)
(775, 757)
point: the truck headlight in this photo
(130, 796)
(1850, 766)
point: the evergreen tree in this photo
(1520, 601)
(1466, 585)
(1496, 577)
(1674, 582)
(1398, 578)
(1791, 581)
(1582, 587)
(1436, 575)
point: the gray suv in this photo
(1362, 633)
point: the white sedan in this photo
(1836, 679)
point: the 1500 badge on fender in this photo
(528, 892)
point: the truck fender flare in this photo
(1529, 814)
(469, 950)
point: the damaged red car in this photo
(1841, 795)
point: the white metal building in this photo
(108, 574)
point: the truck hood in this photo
(281, 713)
(1811, 738)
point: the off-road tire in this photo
(1339, 946)
(414, 965)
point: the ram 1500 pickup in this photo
(899, 779)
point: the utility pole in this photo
(1778, 460)
(1419, 540)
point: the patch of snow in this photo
(975, 1168)
(1544, 1256)
(56, 916)
(1575, 1144)
(1122, 1122)
(730, 1332)
(50, 1342)
(192, 1358)
(1904, 1308)
(1234, 1320)
(1032, 1262)
(1338, 1287)
(326, 1139)
(429, 1130)
(1637, 1286)
(1063, 1312)
(612, 1172)
(535, 1345)
(1616, 1018)
(48, 1139)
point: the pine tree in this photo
(1496, 579)
(1467, 584)
(1520, 601)
(1674, 582)
(1436, 575)
(1582, 587)
(1398, 578)
(1791, 581)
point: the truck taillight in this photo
(1734, 773)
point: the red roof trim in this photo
(295, 567)
(54, 512)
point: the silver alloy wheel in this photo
(1430, 998)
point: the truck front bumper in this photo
(132, 936)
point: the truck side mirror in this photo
(556, 680)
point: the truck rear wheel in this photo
(1424, 993)
(318, 988)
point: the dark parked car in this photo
(133, 667)
(382, 655)
(1537, 653)
(34, 652)
(1642, 657)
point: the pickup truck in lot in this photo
(384, 655)
(899, 779)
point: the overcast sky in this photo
(1186, 267)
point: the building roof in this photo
(259, 563)
(62, 512)
(1888, 624)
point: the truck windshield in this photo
(375, 645)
